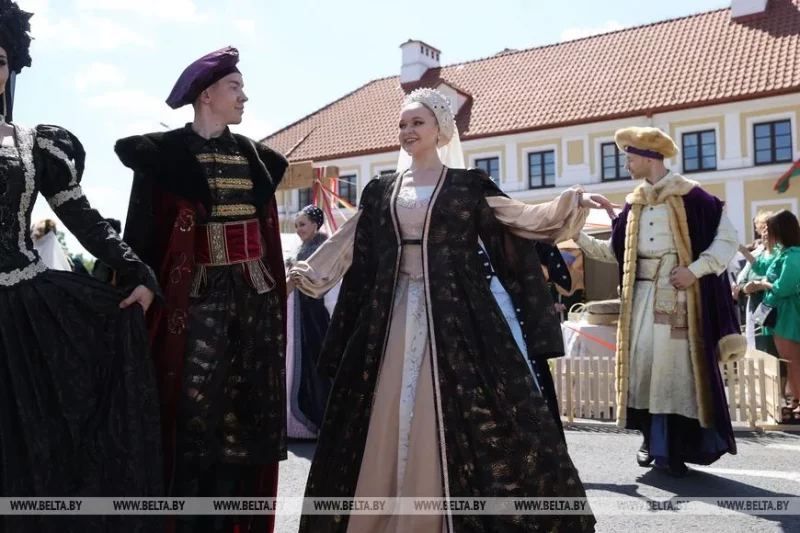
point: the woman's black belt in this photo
(412, 242)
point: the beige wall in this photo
(760, 196)
(575, 152)
(717, 189)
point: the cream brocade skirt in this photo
(401, 457)
(661, 377)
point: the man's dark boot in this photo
(643, 456)
(677, 469)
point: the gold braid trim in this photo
(626, 311)
(243, 184)
(234, 210)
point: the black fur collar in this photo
(166, 159)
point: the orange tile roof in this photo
(693, 61)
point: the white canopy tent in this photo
(289, 241)
(598, 221)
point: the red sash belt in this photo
(231, 243)
(228, 243)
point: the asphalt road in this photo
(767, 465)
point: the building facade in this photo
(726, 87)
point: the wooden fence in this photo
(586, 389)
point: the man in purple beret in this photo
(203, 74)
(203, 214)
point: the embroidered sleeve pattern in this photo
(596, 249)
(58, 199)
(59, 167)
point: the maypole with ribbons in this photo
(324, 184)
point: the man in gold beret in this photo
(673, 243)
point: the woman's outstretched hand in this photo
(140, 294)
(598, 201)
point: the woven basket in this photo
(576, 312)
(602, 313)
(602, 320)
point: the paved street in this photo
(768, 465)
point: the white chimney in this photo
(418, 57)
(744, 8)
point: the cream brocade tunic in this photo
(661, 378)
(401, 457)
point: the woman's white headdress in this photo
(450, 151)
(52, 253)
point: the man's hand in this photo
(682, 278)
(289, 285)
(598, 201)
(141, 295)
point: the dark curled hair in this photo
(15, 26)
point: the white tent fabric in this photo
(598, 221)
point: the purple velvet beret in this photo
(202, 74)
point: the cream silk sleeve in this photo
(556, 221)
(328, 265)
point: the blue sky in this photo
(103, 68)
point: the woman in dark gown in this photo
(307, 389)
(78, 407)
(432, 397)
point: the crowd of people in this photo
(768, 286)
(427, 375)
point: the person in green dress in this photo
(781, 285)
(756, 336)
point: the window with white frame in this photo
(304, 197)
(699, 151)
(773, 142)
(490, 165)
(613, 163)
(542, 169)
(348, 188)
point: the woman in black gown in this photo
(78, 406)
(307, 389)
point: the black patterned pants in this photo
(230, 395)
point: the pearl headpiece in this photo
(437, 103)
(314, 214)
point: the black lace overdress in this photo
(79, 411)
